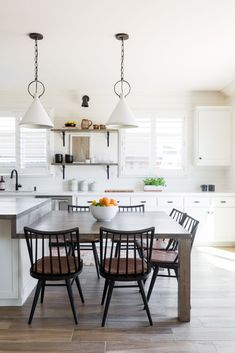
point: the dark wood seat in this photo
(84, 244)
(169, 258)
(128, 265)
(53, 262)
(170, 244)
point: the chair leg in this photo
(110, 291)
(146, 307)
(70, 293)
(79, 289)
(35, 300)
(104, 291)
(117, 248)
(42, 291)
(96, 257)
(154, 276)
(169, 272)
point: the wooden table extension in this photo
(165, 227)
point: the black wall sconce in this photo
(85, 100)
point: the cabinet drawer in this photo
(86, 200)
(176, 202)
(197, 202)
(150, 202)
(223, 202)
(121, 200)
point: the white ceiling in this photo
(174, 45)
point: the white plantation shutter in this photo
(22, 148)
(33, 148)
(7, 142)
(136, 148)
(156, 145)
(169, 132)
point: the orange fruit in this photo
(113, 202)
(105, 201)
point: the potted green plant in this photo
(154, 184)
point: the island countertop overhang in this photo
(13, 207)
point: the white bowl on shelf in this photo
(104, 213)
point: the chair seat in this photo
(67, 266)
(160, 256)
(158, 244)
(121, 267)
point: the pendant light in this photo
(122, 116)
(36, 116)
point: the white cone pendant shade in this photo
(36, 116)
(122, 116)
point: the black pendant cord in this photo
(122, 81)
(36, 37)
(36, 65)
(122, 65)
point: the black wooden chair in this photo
(128, 265)
(169, 258)
(84, 244)
(170, 244)
(133, 208)
(53, 263)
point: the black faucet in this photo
(17, 186)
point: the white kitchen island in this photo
(15, 281)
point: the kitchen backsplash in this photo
(190, 182)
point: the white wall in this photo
(67, 106)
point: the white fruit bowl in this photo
(104, 214)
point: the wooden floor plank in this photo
(211, 330)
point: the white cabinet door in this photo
(149, 202)
(224, 225)
(199, 208)
(224, 216)
(205, 231)
(213, 136)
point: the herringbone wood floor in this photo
(211, 330)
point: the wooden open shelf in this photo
(74, 129)
(74, 164)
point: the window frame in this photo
(166, 172)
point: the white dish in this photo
(104, 214)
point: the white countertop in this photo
(99, 193)
(11, 207)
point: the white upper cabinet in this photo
(213, 136)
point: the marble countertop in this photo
(11, 207)
(102, 192)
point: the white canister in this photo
(83, 185)
(73, 185)
(93, 186)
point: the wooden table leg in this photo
(184, 281)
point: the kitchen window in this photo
(22, 148)
(156, 146)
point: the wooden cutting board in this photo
(117, 190)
